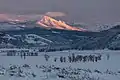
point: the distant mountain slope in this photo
(48, 22)
(55, 39)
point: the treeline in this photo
(22, 54)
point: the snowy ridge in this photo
(32, 36)
(49, 22)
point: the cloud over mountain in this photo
(29, 16)
(55, 14)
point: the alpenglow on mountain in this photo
(48, 22)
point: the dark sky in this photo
(86, 11)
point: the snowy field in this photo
(60, 65)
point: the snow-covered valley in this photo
(61, 65)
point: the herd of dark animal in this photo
(83, 58)
(76, 58)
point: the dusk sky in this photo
(85, 11)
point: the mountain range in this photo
(57, 39)
(50, 34)
(44, 22)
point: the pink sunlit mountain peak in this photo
(48, 22)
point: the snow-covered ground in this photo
(51, 66)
